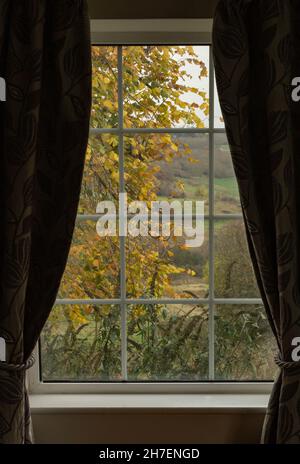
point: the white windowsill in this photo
(169, 403)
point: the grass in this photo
(225, 190)
(228, 185)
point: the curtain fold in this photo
(45, 58)
(256, 46)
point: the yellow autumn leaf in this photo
(108, 104)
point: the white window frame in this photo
(165, 31)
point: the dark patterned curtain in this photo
(257, 54)
(44, 123)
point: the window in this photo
(150, 309)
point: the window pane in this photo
(167, 342)
(166, 167)
(167, 267)
(93, 265)
(101, 173)
(234, 276)
(166, 86)
(81, 343)
(105, 87)
(244, 344)
(227, 198)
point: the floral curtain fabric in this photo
(257, 55)
(44, 123)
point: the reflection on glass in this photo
(244, 344)
(166, 86)
(167, 342)
(81, 343)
